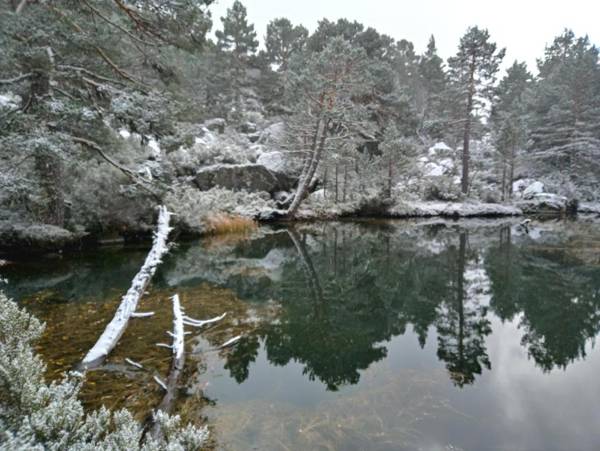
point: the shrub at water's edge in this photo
(36, 415)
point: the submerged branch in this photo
(177, 363)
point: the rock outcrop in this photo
(237, 177)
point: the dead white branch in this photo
(230, 342)
(134, 363)
(201, 323)
(142, 314)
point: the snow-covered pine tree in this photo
(508, 119)
(472, 73)
(282, 40)
(433, 79)
(324, 86)
(237, 36)
(565, 112)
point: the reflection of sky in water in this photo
(513, 407)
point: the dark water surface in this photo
(373, 335)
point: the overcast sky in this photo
(524, 27)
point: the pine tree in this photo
(508, 120)
(81, 70)
(327, 30)
(237, 36)
(565, 111)
(282, 40)
(472, 73)
(324, 87)
(433, 79)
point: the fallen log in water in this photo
(114, 330)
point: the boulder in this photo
(273, 134)
(237, 177)
(17, 237)
(247, 127)
(216, 124)
(275, 161)
(533, 190)
(544, 203)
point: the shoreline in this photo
(27, 241)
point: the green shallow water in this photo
(373, 335)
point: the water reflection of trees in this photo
(556, 295)
(462, 324)
(351, 288)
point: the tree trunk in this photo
(307, 181)
(467, 131)
(345, 182)
(389, 187)
(50, 170)
(325, 183)
(336, 183)
(511, 172)
(503, 179)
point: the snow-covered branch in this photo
(111, 335)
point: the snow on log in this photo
(178, 332)
(114, 330)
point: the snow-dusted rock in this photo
(276, 161)
(439, 147)
(216, 124)
(318, 195)
(519, 187)
(273, 134)
(10, 100)
(532, 190)
(236, 177)
(589, 208)
(544, 203)
(247, 127)
(43, 237)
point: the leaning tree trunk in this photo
(115, 329)
(309, 180)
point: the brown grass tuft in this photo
(223, 223)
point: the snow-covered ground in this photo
(452, 209)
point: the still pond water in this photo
(375, 335)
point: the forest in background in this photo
(110, 108)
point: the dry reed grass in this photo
(224, 223)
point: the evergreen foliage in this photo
(39, 416)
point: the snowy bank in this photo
(452, 209)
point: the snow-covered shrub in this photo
(193, 208)
(39, 416)
(441, 188)
(101, 198)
